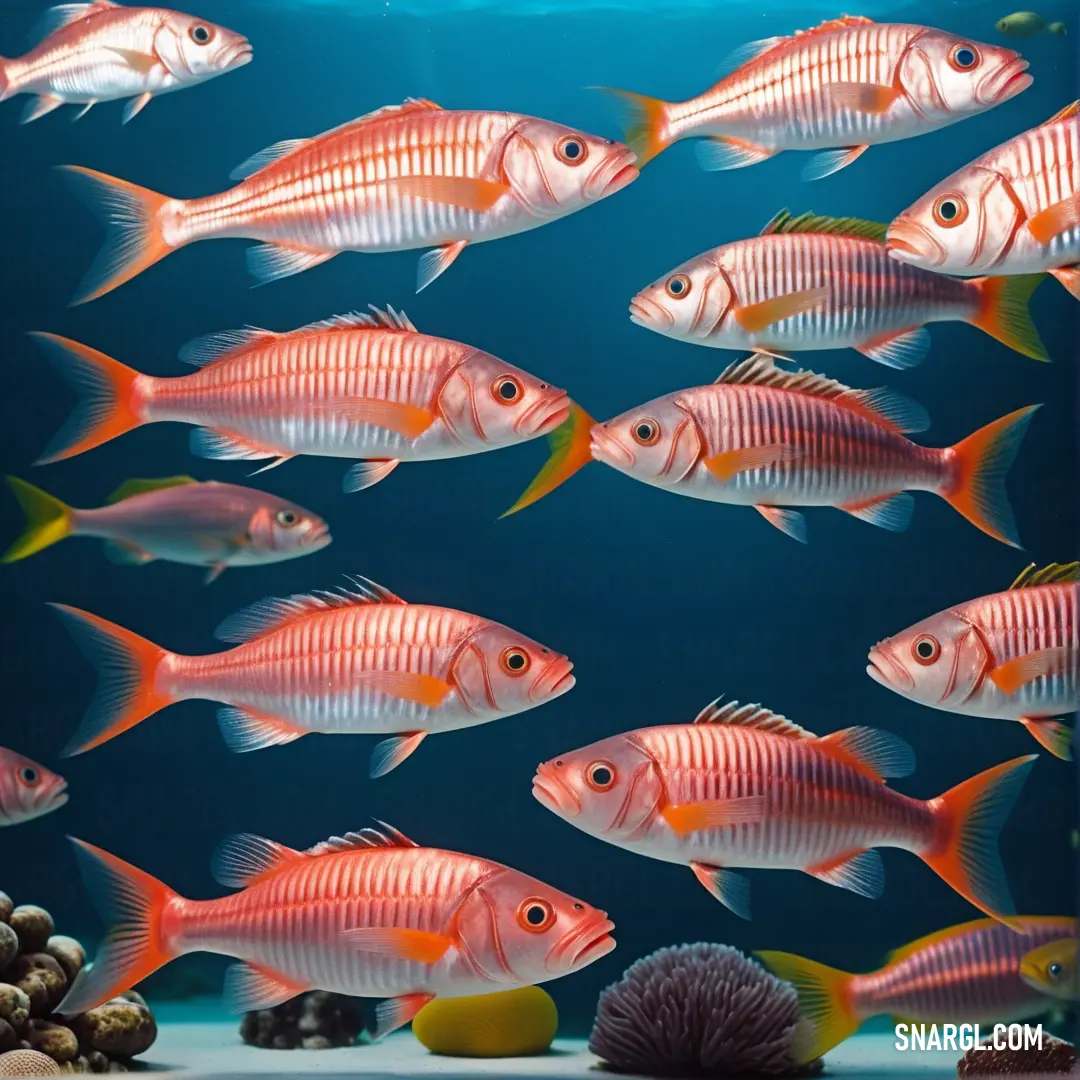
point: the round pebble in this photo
(9, 946)
(9, 1039)
(44, 967)
(37, 991)
(34, 925)
(14, 1006)
(316, 1042)
(68, 953)
(6, 907)
(97, 1061)
(57, 1041)
(133, 995)
(285, 1040)
(118, 1027)
(27, 1063)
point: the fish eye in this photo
(506, 390)
(286, 518)
(514, 661)
(578, 905)
(646, 431)
(678, 286)
(600, 776)
(1054, 970)
(536, 915)
(950, 211)
(926, 649)
(200, 34)
(571, 150)
(29, 776)
(964, 57)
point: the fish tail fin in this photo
(127, 691)
(970, 816)
(132, 903)
(107, 390)
(1004, 313)
(6, 89)
(646, 124)
(825, 1002)
(48, 520)
(132, 218)
(976, 487)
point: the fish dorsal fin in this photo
(1068, 113)
(751, 716)
(246, 859)
(876, 754)
(384, 836)
(913, 947)
(375, 319)
(267, 156)
(56, 18)
(758, 49)
(880, 405)
(221, 343)
(1054, 574)
(274, 612)
(130, 488)
(385, 112)
(786, 223)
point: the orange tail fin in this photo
(132, 903)
(127, 674)
(970, 817)
(5, 79)
(976, 488)
(646, 124)
(1004, 313)
(107, 390)
(134, 239)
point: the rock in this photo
(37, 991)
(82, 1064)
(285, 1040)
(9, 1039)
(34, 926)
(1056, 1056)
(14, 1006)
(57, 1041)
(134, 995)
(97, 1061)
(6, 907)
(118, 1028)
(316, 1042)
(68, 953)
(9, 946)
(27, 1063)
(44, 967)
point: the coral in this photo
(314, 1021)
(33, 925)
(119, 1028)
(1056, 1056)
(27, 1063)
(512, 1023)
(699, 1010)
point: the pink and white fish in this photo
(102, 51)
(27, 789)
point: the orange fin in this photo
(732, 462)
(870, 98)
(1052, 734)
(1071, 110)
(397, 1012)
(436, 262)
(826, 162)
(244, 730)
(465, 192)
(271, 262)
(646, 126)
(420, 946)
(1069, 277)
(132, 904)
(1003, 313)
(752, 716)
(891, 512)
(1033, 576)
(860, 872)
(789, 522)
(899, 351)
(40, 106)
(408, 420)
(714, 814)
(390, 753)
(731, 889)
(1062, 217)
(877, 754)
(141, 62)
(722, 152)
(970, 817)
(384, 836)
(1013, 674)
(249, 987)
(426, 690)
(123, 553)
(368, 473)
(135, 106)
(246, 859)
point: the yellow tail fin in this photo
(824, 1000)
(1004, 313)
(646, 124)
(47, 520)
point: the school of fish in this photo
(370, 913)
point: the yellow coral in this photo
(512, 1023)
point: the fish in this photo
(103, 51)
(1051, 968)
(368, 914)
(1020, 24)
(1058, 29)
(175, 519)
(1014, 210)
(358, 659)
(836, 89)
(745, 787)
(27, 790)
(399, 178)
(967, 974)
(768, 438)
(1012, 655)
(810, 282)
(367, 386)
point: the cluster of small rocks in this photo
(314, 1021)
(1055, 1057)
(36, 969)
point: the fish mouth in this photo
(907, 242)
(550, 790)
(887, 671)
(319, 535)
(584, 944)
(605, 447)
(650, 314)
(240, 54)
(55, 798)
(1002, 85)
(554, 681)
(543, 416)
(612, 175)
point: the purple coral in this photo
(698, 1010)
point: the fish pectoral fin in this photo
(396, 1012)
(876, 754)
(731, 462)
(134, 106)
(466, 192)
(892, 512)
(871, 98)
(826, 162)
(1013, 674)
(714, 814)
(1069, 277)
(720, 153)
(279, 460)
(860, 872)
(1054, 735)
(789, 522)
(244, 730)
(437, 261)
(731, 889)
(408, 420)
(251, 986)
(269, 262)
(84, 110)
(398, 943)
(1062, 217)
(900, 351)
(123, 553)
(390, 753)
(427, 690)
(368, 473)
(210, 443)
(245, 859)
(141, 62)
(40, 106)
(756, 317)
(215, 572)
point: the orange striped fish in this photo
(368, 914)
(837, 89)
(742, 786)
(966, 974)
(768, 438)
(811, 282)
(403, 177)
(1013, 655)
(1015, 210)
(360, 660)
(355, 386)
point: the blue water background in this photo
(662, 602)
